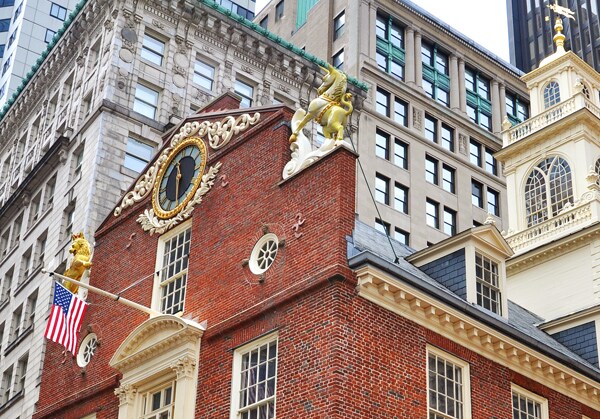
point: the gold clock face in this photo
(179, 177)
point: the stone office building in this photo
(433, 117)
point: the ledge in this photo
(12, 401)
(18, 340)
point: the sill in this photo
(8, 254)
(4, 304)
(12, 400)
(12, 345)
(21, 286)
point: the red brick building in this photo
(308, 312)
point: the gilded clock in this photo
(179, 177)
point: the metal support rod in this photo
(114, 297)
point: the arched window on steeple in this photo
(547, 190)
(551, 94)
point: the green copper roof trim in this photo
(210, 3)
(269, 35)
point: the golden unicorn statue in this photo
(330, 109)
(82, 253)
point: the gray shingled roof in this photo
(521, 323)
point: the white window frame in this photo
(536, 398)
(237, 371)
(146, 396)
(200, 62)
(247, 101)
(150, 54)
(157, 292)
(470, 266)
(137, 157)
(466, 377)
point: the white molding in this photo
(427, 311)
(236, 369)
(539, 399)
(466, 377)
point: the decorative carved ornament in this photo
(184, 367)
(218, 134)
(126, 394)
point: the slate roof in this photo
(369, 243)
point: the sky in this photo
(484, 21)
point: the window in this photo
(431, 169)
(159, 403)
(338, 59)
(436, 82)
(382, 226)
(487, 280)
(29, 315)
(447, 137)
(246, 91)
(401, 154)
(6, 385)
(6, 65)
(137, 155)
(4, 243)
(547, 190)
(447, 385)
(382, 189)
(479, 106)
(15, 324)
(390, 46)
(551, 94)
(18, 11)
(382, 100)
(254, 379)
(431, 128)
(264, 22)
(382, 141)
(34, 209)
(173, 251)
(69, 216)
(517, 110)
(58, 11)
(49, 35)
(402, 236)
(152, 49)
(2, 48)
(448, 178)
(493, 202)
(7, 3)
(204, 74)
(432, 211)
(40, 251)
(477, 193)
(49, 194)
(5, 292)
(12, 38)
(264, 253)
(4, 25)
(338, 25)
(26, 265)
(400, 112)
(401, 198)
(475, 153)
(87, 349)
(21, 374)
(279, 10)
(491, 165)
(449, 221)
(527, 405)
(146, 101)
(16, 234)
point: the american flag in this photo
(65, 318)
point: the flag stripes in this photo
(65, 318)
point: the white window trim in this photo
(466, 388)
(539, 399)
(471, 276)
(236, 370)
(156, 291)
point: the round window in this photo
(87, 349)
(263, 254)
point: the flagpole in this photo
(114, 297)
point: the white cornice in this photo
(427, 311)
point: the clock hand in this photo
(177, 184)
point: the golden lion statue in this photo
(81, 250)
(331, 108)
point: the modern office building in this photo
(85, 123)
(26, 29)
(432, 120)
(530, 31)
